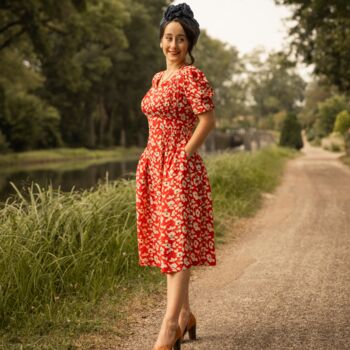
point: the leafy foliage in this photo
(321, 36)
(74, 73)
(225, 77)
(84, 55)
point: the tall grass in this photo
(239, 179)
(54, 245)
(58, 246)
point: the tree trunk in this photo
(90, 127)
(123, 137)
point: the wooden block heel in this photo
(177, 345)
(192, 333)
(190, 328)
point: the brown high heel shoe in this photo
(190, 328)
(176, 345)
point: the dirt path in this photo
(285, 283)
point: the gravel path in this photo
(285, 282)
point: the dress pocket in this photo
(183, 152)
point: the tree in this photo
(96, 59)
(26, 121)
(321, 36)
(316, 92)
(274, 84)
(291, 132)
(225, 77)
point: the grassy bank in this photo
(66, 154)
(66, 258)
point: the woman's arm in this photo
(205, 125)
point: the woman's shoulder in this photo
(193, 73)
(158, 74)
(155, 78)
(191, 69)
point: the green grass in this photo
(66, 258)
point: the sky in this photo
(244, 24)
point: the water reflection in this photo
(82, 177)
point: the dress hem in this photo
(180, 268)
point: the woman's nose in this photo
(173, 43)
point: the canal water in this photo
(65, 175)
(84, 175)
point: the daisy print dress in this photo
(173, 195)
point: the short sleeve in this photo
(155, 79)
(198, 91)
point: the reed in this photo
(56, 244)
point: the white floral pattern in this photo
(173, 195)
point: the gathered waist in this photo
(164, 124)
(167, 135)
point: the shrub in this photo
(310, 134)
(342, 122)
(291, 132)
(34, 124)
(335, 147)
(328, 111)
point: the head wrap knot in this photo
(182, 11)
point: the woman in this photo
(173, 193)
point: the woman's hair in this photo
(182, 14)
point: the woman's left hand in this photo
(205, 125)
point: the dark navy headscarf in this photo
(183, 12)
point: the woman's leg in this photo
(185, 310)
(177, 296)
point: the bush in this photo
(316, 142)
(335, 147)
(342, 122)
(310, 134)
(291, 132)
(34, 124)
(328, 111)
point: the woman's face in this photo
(174, 43)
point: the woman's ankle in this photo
(170, 322)
(185, 312)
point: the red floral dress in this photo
(173, 195)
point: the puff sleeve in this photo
(198, 91)
(155, 79)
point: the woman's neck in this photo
(171, 66)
